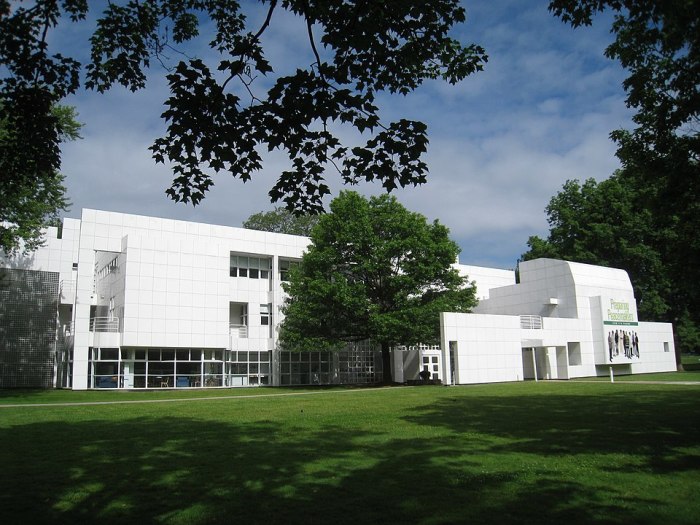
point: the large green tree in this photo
(608, 224)
(658, 42)
(376, 271)
(32, 193)
(281, 220)
(222, 112)
(603, 224)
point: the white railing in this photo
(531, 322)
(67, 289)
(104, 324)
(239, 331)
(421, 346)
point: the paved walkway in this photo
(311, 393)
(181, 399)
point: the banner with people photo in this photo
(620, 330)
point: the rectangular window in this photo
(253, 267)
(573, 348)
(109, 354)
(285, 266)
(250, 267)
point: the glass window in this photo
(265, 314)
(285, 266)
(251, 267)
(109, 354)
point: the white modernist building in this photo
(145, 302)
(563, 320)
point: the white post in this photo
(534, 362)
(612, 376)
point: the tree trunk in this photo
(387, 370)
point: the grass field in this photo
(691, 362)
(547, 452)
(673, 377)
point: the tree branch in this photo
(257, 36)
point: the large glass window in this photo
(266, 317)
(357, 364)
(306, 368)
(104, 368)
(285, 266)
(250, 267)
(249, 368)
(156, 367)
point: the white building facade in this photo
(151, 303)
(563, 320)
(146, 302)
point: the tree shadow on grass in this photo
(179, 471)
(642, 439)
(653, 423)
(183, 470)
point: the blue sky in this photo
(502, 142)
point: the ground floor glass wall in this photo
(176, 367)
(357, 365)
(196, 367)
(248, 368)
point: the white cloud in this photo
(502, 142)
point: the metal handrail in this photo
(531, 322)
(238, 330)
(104, 324)
(67, 288)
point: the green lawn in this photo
(691, 361)
(673, 377)
(546, 453)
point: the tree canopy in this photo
(377, 271)
(608, 224)
(33, 193)
(281, 220)
(603, 224)
(658, 42)
(221, 113)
